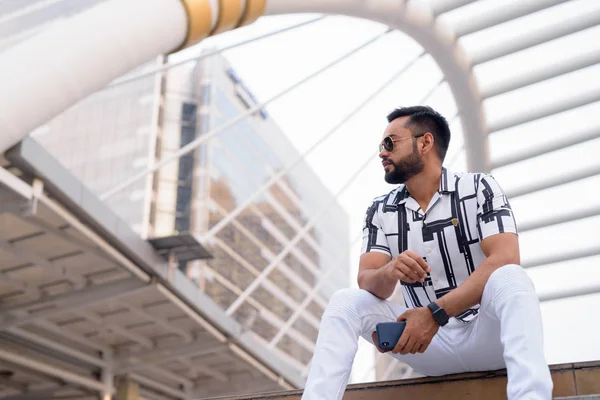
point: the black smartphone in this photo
(388, 334)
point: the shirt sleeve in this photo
(374, 238)
(494, 214)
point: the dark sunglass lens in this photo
(388, 144)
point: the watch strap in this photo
(439, 314)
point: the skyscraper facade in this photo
(277, 236)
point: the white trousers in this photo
(507, 333)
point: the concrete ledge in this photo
(579, 379)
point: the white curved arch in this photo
(75, 57)
(420, 24)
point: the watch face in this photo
(440, 316)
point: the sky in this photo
(309, 112)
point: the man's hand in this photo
(374, 336)
(420, 330)
(408, 267)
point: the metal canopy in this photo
(76, 313)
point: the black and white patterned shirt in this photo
(466, 209)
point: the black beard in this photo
(405, 169)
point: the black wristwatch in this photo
(439, 314)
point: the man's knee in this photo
(348, 301)
(509, 278)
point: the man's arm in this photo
(375, 254)
(372, 276)
(379, 274)
(501, 249)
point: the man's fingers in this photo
(419, 260)
(396, 272)
(401, 343)
(403, 265)
(415, 348)
(412, 262)
(404, 274)
(414, 267)
(412, 278)
(422, 264)
(423, 347)
(409, 347)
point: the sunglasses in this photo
(388, 143)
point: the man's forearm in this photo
(469, 293)
(376, 282)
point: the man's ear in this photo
(427, 142)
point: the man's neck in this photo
(423, 186)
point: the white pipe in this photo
(555, 180)
(440, 7)
(71, 336)
(536, 37)
(205, 54)
(504, 12)
(588, 133)
(27, 10)
(533, 76)
(51, 71)
(566, 294)
(545, 110)
(565, 256)
(51, 370)
(56, 346)
(157, 385)
(573, 215)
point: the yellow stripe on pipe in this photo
(199, 22)
(229, 15)
(254, 10)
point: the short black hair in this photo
(425, 119)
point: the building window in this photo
(186, 169)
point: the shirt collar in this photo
(447, 181)
(446, 186)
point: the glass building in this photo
(293, 228)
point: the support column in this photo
(107, 377)
(158, 113)
(127, 389)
